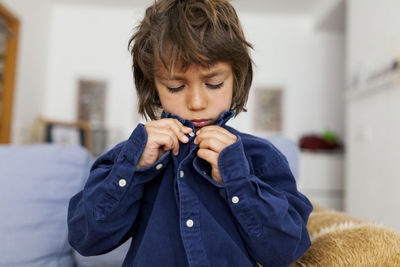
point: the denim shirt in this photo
(177, 215)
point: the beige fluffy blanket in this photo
(340, 240)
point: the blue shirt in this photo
(177, 215)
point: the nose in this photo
(197, 98)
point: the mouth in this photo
(200, 122)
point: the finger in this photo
(219, 133)
(209, 156)
(213, 140)
(181, 131)
(214, 144)
(176, 126)
(216, 129)
(184, 128)
(212, 158)
(163, 137)
(164, 140)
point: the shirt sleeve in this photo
(262, 195)
(101, 215)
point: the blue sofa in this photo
(36, 184)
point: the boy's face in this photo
(198, 94)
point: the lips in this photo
(200, 122)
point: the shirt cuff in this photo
(123, 176)
(147, 173)
(232, 163)
(130, 156)
(239, 189)
(130, 153)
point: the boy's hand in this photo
(212, 140)
(162, 135)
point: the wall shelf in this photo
(376, 85)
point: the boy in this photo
(188, 189)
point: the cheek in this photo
(227, 102)
(222, 100)
(226, 97)
(171, 103)
(163, 96)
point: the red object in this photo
(314, 142)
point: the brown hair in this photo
(189, 32)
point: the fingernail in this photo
(185, 138)
(198, 131)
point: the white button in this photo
(189, 223)
(191, 134)
(235, 200)
(159, 166)
(122, 182)
(181, 174)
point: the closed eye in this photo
(175, 89)
(214, 86)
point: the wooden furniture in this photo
(63, 133)
(9, 28)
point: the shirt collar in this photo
(221, 121)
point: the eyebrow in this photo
(206, 76)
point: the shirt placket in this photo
(189, 216)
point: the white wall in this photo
(308, 65)
(373, 36)
(92, 42)
(288, 53)
(373, 118)
(31, 63)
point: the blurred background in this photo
(326, 77)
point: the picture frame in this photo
(268, 110)
(91, 101)
(91, 108)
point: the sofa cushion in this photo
(290, 150)
(36, 184)
(114, 258)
